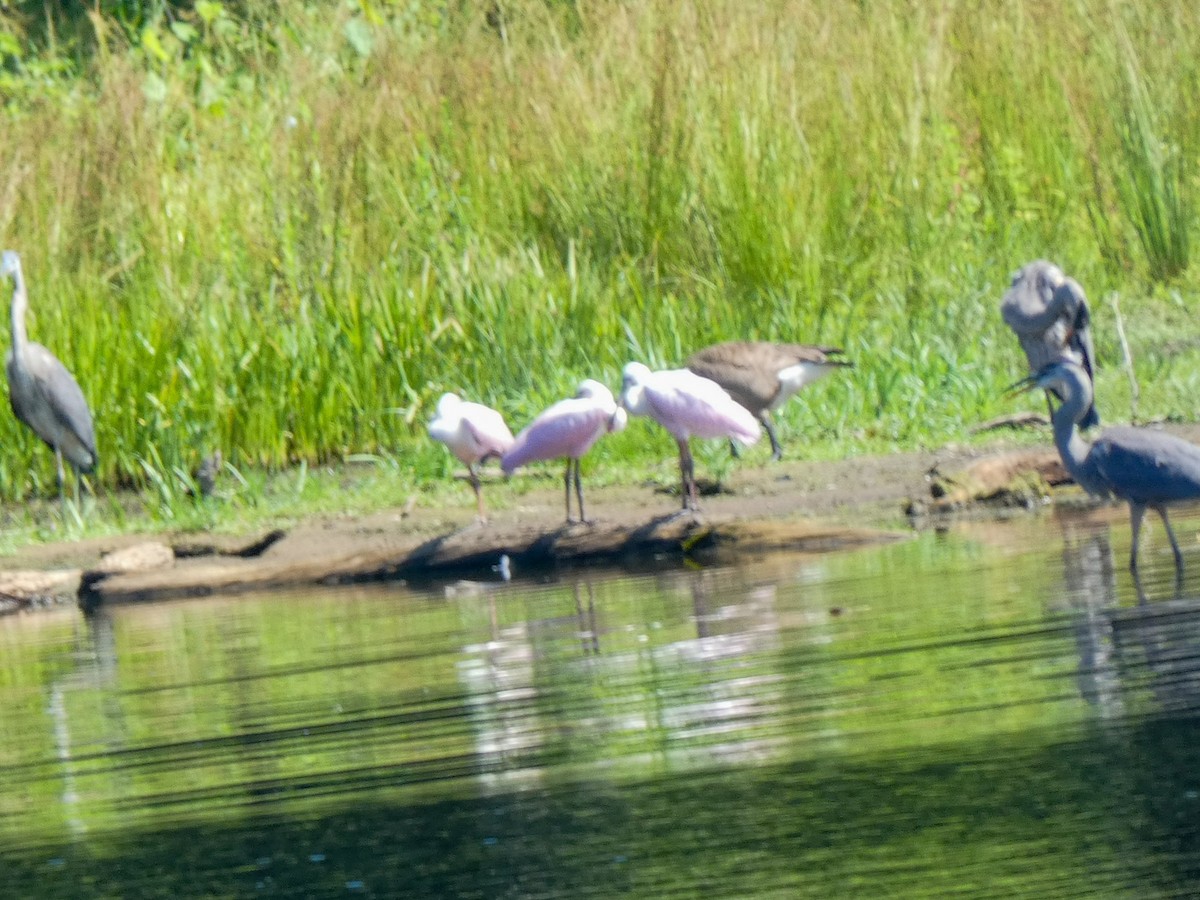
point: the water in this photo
(987, 711)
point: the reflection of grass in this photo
(1100, 816)
(286, 238)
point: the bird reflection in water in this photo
(1151, 647)
(1089, 578)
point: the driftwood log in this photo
(1015, 476)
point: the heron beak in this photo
(1021, 387)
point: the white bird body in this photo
(1050, 316)
(43, 394)
(687, 405)
(474, 433)
(793, 378)
(1147, 469)
(567, 429)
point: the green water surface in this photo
(987, 712)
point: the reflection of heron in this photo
(687, 405)
(567, 429)
(474, 433)
(1147, 469)
(1167, 633)
(763, 376)
(1091, 592)
(95, 672)
(1049, 313)
(44, 395)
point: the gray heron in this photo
(1049, 314)
(43, 394)
(762, 376)
(1145, 468)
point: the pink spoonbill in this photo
(568, 429)
(474, 433)
(687, 405)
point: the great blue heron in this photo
(1049, 314)
(1147, 469)
(567, 429)
(687, 405)
(762, 376)
(44, 395)
(474, 433)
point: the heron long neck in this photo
(1071, 446)
(19, 302)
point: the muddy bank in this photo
(487, 553)
(794, 506)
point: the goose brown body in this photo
(762, 375)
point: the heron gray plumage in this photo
(762, 376)
(207, 471)
(43, 394)
(1145, 468)
(1049, 314)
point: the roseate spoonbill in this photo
(762, 376)
(474, 433)
(567, 429)
(1049, 314)
(1147, 469)
(43, 394)
(687, 405)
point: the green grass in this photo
(284, 230)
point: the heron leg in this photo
(687, 474)
(1139, 590)
(776, 447)
(579, 494)
(1136, 512)
(1162, 512)
(734, 450)
(62, 496)
(567, 489)
(473, 477)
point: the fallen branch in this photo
(1013, 420)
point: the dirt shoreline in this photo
(793, 506)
